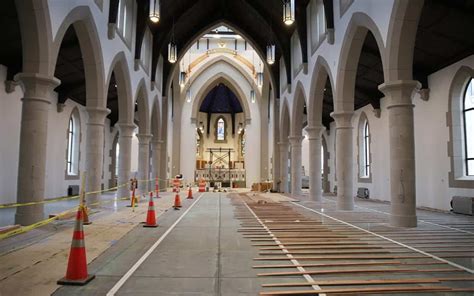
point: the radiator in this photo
(463, 205)
(73, 190)
(363, 192)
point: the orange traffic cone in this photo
(190, 193)
(151, 216)
(177, 201)
(77, 265)
(85, 216)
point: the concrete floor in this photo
(205, 254)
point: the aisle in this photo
(202, 255)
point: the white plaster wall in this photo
(10, 106)
(252, 129)
(10, 117)
(431, 141)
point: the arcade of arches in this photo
(360, 110)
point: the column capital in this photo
(314, 132)
(144, 138)
(343, 119)
(283, 144)
(37, 87)
(126, 129)
(97, 115)
(399, 92)
(295, 140)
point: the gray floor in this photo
(203, 255)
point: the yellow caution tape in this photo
(25, 229)
(63, 198)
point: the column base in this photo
(344, 205)
(93, 199)
(28, 218)
(403, 221)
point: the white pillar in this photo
(125, 158)
(39, 92)
(296, 164)
(95, 151)
(284, 148)
(402, 151)
(344, 160)
(144, 163)
(156, 155)
(315, 177)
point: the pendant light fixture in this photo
(188, 96)
(260, 76)
(252, 96)
(172, 49)
(271, 48)
(154, 11)
(288, 12)
(271, 53)
(182, 76)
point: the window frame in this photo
(216, 125)
(70, 147)
(73, 146)
(366, 149)
(464, 111)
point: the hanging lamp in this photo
(288, 12)
(172, 48)
(154, 11)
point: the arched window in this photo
(366, 150)
(220, 129)
(117, 154)
(124, 20)
(72, 154)
(468, 124)
(363, 157)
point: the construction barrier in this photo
(202, 186)
(24, 229)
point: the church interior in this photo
(237, 147)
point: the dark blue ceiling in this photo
(221, 99)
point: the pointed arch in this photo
(364, 158)
(297, 112)
(90, 45)
(357, 29)
(73, 152)
(284, 121)
(175, 67)
(156, 119)
(36, 37)
(119, 67)
(227, 81)
(144, 114)
(321, 73)
(401, 39)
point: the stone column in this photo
(344, 160)
(156, 155)
(402, 151)
(284, 147)
(144, 162)
(95, 151)
(37, 98)
(315, 177)
(296, 164)
(125, 158)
